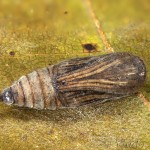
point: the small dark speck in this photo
(65, 12)
(64, 83)
(51, 132)
(12, 53)
(24, 137)
(89, 47)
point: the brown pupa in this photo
(78, 81)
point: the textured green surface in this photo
(45, 32)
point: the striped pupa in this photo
(78, 81)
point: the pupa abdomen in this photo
(35, 90)
(79, 81)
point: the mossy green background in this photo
(47, 31)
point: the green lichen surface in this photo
(34, 34)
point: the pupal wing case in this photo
(79, 81)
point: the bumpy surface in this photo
(34, 34)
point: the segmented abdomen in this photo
(35, 90)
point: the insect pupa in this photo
(78, 81)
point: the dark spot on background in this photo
(65, 12)
(24, 137)
(89, 47)
(51, 132)
(12, 53)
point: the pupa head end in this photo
(7, 96)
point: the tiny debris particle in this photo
(65, 12)
(51, 132)
(12, 53)
(24, 137)
(89, 47)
